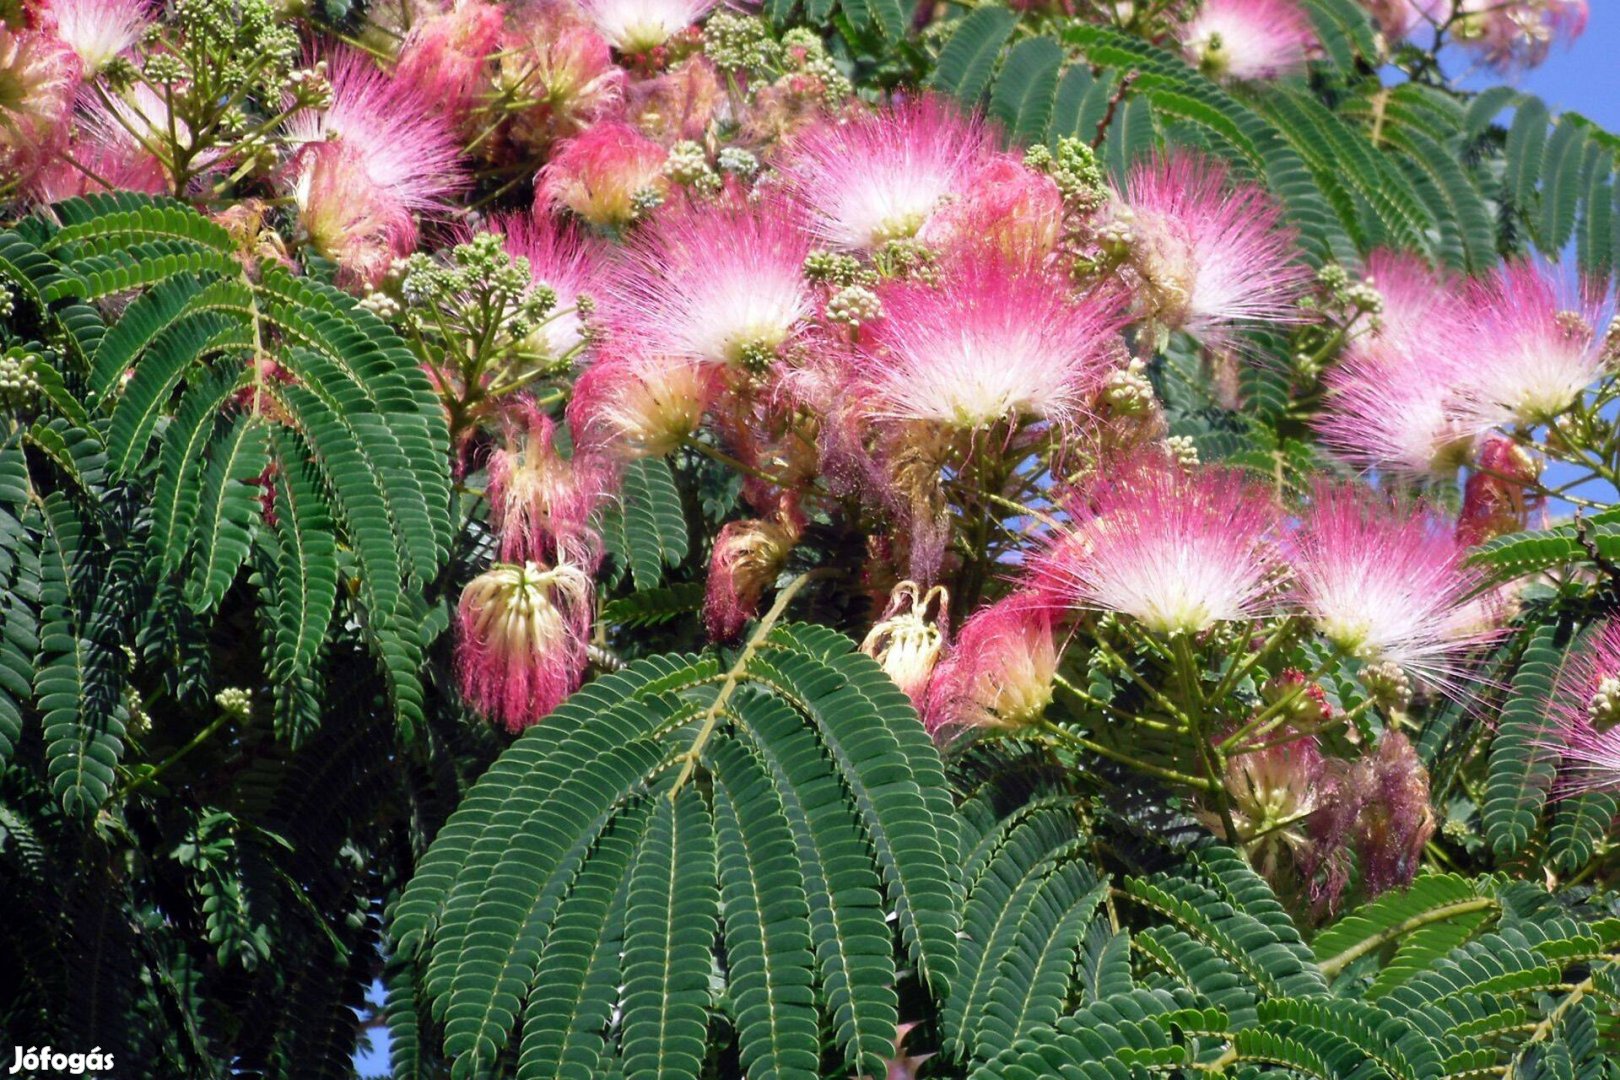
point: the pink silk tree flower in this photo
(1497, 498)
(999, 673)
(1392, 401)
(1245, 40)
(1207, 254)
(1178, 550)
(907, 641)
(715, 284)
(637, 26)
(599, 173)
(570, 266)
(1387, 584)
(1584, 714)
(996, 340)
(373, 160)
(1395, 821)
(879, 176)
(39, 76)
(748, 555)
(1009, 209)
(444, 57)
(98, 30)
(111, 160)
(634, 405)
(562, 68)
(540, 502)
(1519, 33)
(1536, 346)
(1399, 18)
(1275, 792)
(522, 635)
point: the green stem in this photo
(1081, 742)
(197, 740)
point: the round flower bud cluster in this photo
(737, 42)
(735, 161)
(310, 86)
(1388, 685)
(806, 52)
(235, 702)
(1128, 391)
(1073, 167)
(688, 165)
(854, 305)
(18, 386)
(1182, 449)
(835, 269)
(1604, 709)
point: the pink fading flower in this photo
(1248, 39)
(1584, 714)
(996, 340)
(1497, 498)
(716, 284)
(521, 647)
(632, 405)
(906, 642)
(102, 159)
(880, 176)
(599, 173)
(1000, 670)
(635, 26)
(1535, 347)
(1395, 821)
(39, 76)
(377, 157)
(1208, 254)
(677, 104)
(98, 30)
(570, 266)
(1384, 583)
(747, 557)
(1398, 18)
(443, 57)
(540, 502)
(1009, 209)
(1519, 33)
(562, 68)
(1178, 550)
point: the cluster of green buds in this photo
(1182, 449)
(1387, 685)
(688, 165)
(1073, 167)
(1128, 391)
(1342, 301)
(235, 702)
(741, 43)
(18, 385)
(1604, 708)
(805, 54)
(854, 306)
(833, 268)
(908, 259)
(474, 317)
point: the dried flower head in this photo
(444, 56)
(540, 502)
(747, 557)
(907, 640)
(521, 648)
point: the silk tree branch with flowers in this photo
(841, 540)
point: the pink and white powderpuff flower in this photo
(39, 76)
(98, 30)
(444, 56)
(1009, 209)
(996, 340)
(879, 176)
(634, 405)
(636, 26)
(906, 642)
(1536, 346)
(748, 555)
(1178, 550)
(1387, 584)
(1392, 401)
(599, 174)
(1519, 33)
(1000, 671)
(540, 502)
(1398, 18)
(1207, 254)
(1584, 714)
(373, 160)
(570, 266)
(521, 647)
(103, 158)
(1248, 39)
(715, 284)
(551, 58)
